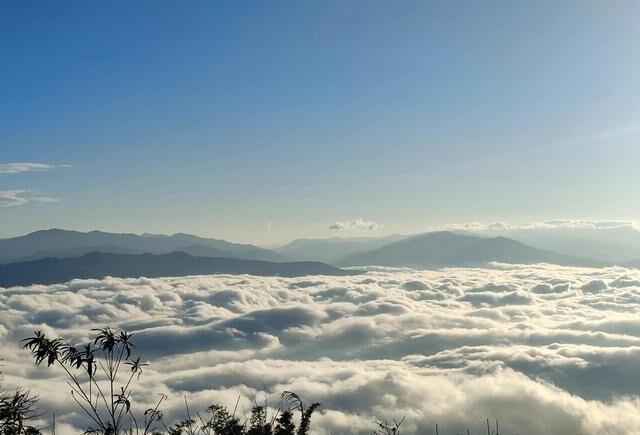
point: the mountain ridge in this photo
(445, 248)
(334, 248)
(58, 242)
(98, 265)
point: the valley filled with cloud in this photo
(541, 348)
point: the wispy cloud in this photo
(11, 198)
(356, 225)
(17, 168)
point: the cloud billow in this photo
(356, 225)
(544, 349)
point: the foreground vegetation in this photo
(18, 413)
(101, 376)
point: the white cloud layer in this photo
(356, 225)
(544, 349)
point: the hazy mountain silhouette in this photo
(616, 244)
(333, 249)
(98, 265)
(612, 252)
(63, 243)
(445, 248)
(76, 252)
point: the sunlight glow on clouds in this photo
(560, 346)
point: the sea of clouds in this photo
(544, 349)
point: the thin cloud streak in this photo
(12, 198)
(570, 224)
(17, 168)
(16, 197)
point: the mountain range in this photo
(64, 243)
(52, 255)
(99, 265)
(617, 245)
(334, 249)
(445, 248)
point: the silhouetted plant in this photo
(221, 422)
(258, 422)
(17, 410)
(105, 401)
(285, 424)
(291, 401)
(387, 428)
(102, 389)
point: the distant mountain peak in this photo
(445, 248)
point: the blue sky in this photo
(265, 121)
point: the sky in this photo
(266, 121)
